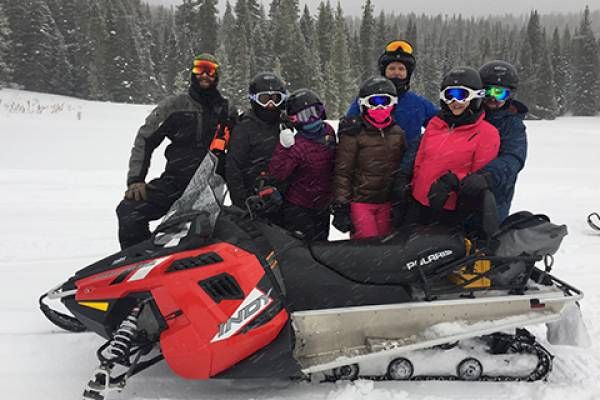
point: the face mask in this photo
(313, 127)
(379, 117)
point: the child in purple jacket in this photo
(305, 163)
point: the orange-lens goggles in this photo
(396, 45)
(205, 67)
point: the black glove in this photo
(401, 193)
(474, 184)
(341, 218)
(350, 126)
(440, 190)
(268, 198)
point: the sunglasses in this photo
(308, 115)
(205, 67)
(497, 92)
(397, 45)
(378, 101)
(275, 98)
(460, 94)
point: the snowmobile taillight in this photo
(535, 303)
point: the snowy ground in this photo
(62, 172)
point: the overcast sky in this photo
(465, 7)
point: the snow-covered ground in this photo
(62, 172)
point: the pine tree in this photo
(5, 71)
(527, 77)
(367, 42)
(325, 30)
(561, 73)
(263, 60)
(20, 55)
(169, 67)
(342, 63)
(208, 26)
(47, 68)
(290, 46)
(186, 21)
(382, 34)
(307, 26)
(124, 65)
(586, 69)
(546, 96)
(97, 46)
(330, 95)
(411, 32)
(566, 44)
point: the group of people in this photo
(378, 171)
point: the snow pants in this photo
(371, 219)
(134, 216)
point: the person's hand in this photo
(341, 218)
(440, 190)
(137, 191)
(349, 126)
(474, 184)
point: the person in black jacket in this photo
(254, 137)
(190, 121)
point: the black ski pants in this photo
(313, 224)
(134, 216)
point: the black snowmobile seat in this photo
(395, 259)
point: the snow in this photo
(63, 165)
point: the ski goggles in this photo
(399, 45)
(263, 99)
(308, 115)
(461, 94)
(378, 101)
(497, 92)
(205, 67)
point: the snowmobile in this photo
(218, 293)
(594, 221)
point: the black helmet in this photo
(377, 85)
(398, 55)
(499, 73)
(300, 99)
(462, 76)
(266, 82)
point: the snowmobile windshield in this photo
(200, 203)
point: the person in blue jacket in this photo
(500, 80)
(412, 112)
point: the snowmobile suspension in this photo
(119, 350)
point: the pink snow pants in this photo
(370, 219)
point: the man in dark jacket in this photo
(506, 114)
(190, 121)
(254, 137)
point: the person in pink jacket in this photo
(456, 143)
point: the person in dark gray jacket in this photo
(191, 121)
